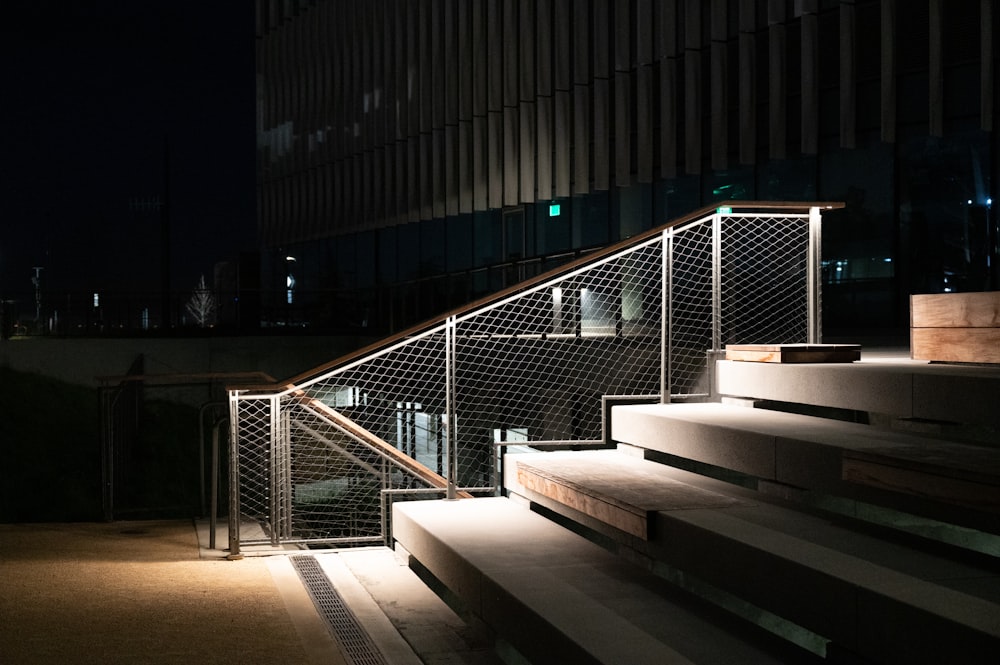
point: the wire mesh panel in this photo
(690, 306)
(734, 279)
(398, 395)
(536, 366)
(321, 461)
(337, 481)
(303, 477)
(251, 461)
(763, 272)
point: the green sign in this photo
(724, 210)
(554, 210)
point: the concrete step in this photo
(558, 598)
(958, 483)
(435, 633)
(884, 600)
(902, 389)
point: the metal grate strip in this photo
(357, 644)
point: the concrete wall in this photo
(81, 361)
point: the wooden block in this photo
(958, 345)
(955, 310)
(794, 353)
(955, 327)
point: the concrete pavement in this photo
(146, 592)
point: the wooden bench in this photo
(794, 353)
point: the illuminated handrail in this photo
(530, 363)
(742, 206)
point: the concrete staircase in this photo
(854, 520)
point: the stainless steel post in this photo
(452, 438)
(814, 305)
(717, 282)
(286, 476)
(666, 313)
(274, 516)
(213, 518)
(234, 477)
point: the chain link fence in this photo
(422, 416)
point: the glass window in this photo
(487, 237)
(634, 210)
(859, 241)
(459, 242)
(432, 247)
(346, 262)
(944, 197)
(513, 227)
(591, 220)
(408, 252)
(732, 185)
(366, 259)
(553, 226)
(791, 179)
(675, 198)
(387, 260)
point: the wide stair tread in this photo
(959, 394)
(885, 600)
(928, 475)
(559, 598)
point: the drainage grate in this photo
(357, 645)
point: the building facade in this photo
(414, 155)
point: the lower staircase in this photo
(841, 513)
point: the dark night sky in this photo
(92, 91)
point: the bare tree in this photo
(202, 305)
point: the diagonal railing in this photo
(317, 459)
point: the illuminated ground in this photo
(144, 592)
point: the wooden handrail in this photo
(385, 448)
(736, 206)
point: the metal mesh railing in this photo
(318, 461)
(535, 366)
(763, 271)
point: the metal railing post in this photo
(213, 518)
(285, 474)
(666, 313)
(234, 477)
(449, 398)
(274, 516)
(814, 278)
(717, 281)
